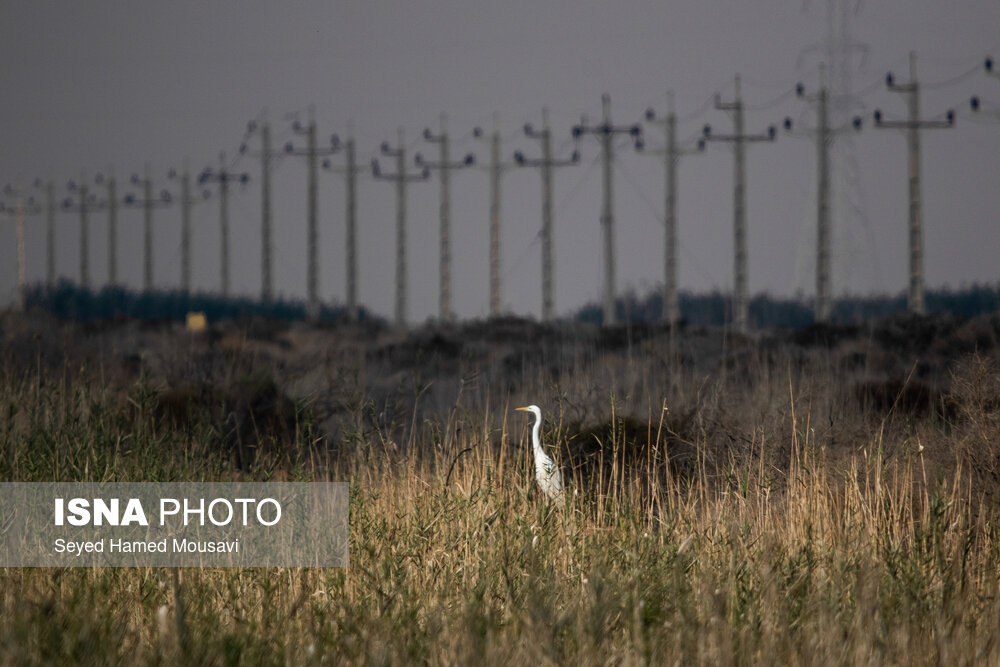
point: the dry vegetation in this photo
(828, 496)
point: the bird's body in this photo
(546, 472)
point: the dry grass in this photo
(753, 515)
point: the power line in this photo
(976, 102)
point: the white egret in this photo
(546, 473)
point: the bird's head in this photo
(534, 409)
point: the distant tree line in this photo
(766, 311)
(66, 300)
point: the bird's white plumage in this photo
(546, 472)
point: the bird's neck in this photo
(536, 438)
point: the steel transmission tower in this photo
(223, 177)
(854, 262)
(444, 166)
(545, 165)
(350, 170)
(400, 178)
(311, 153)
(671, 153)
(739, 139)
(605, 132)
(913, 124)
(824, 133)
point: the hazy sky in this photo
(88, 86)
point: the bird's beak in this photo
(522, 409)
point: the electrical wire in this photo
(629, 179)
(561, 206)
(699, 266)
(557, 211)
(770, 104)
(958, 78)
(691, 115)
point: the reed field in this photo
(827, 496)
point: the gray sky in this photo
(92, 85)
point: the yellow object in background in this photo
(196, 322)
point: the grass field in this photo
(775, 500)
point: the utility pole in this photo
(350, 170)
(739, 139)
(853, 262)
(545, 165)
(400, 178)
(111, 203)
(18, 211)
(50, 234)
(49, 190)
(85, 202)
(223, 177)
(824, 133)
(265, 154)
(496, 169)
(311, 153)
(186, 202)
(21, 272)
(605, 133)
(147, 203)
(444, 166)
(671, 153)
(913, 125)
